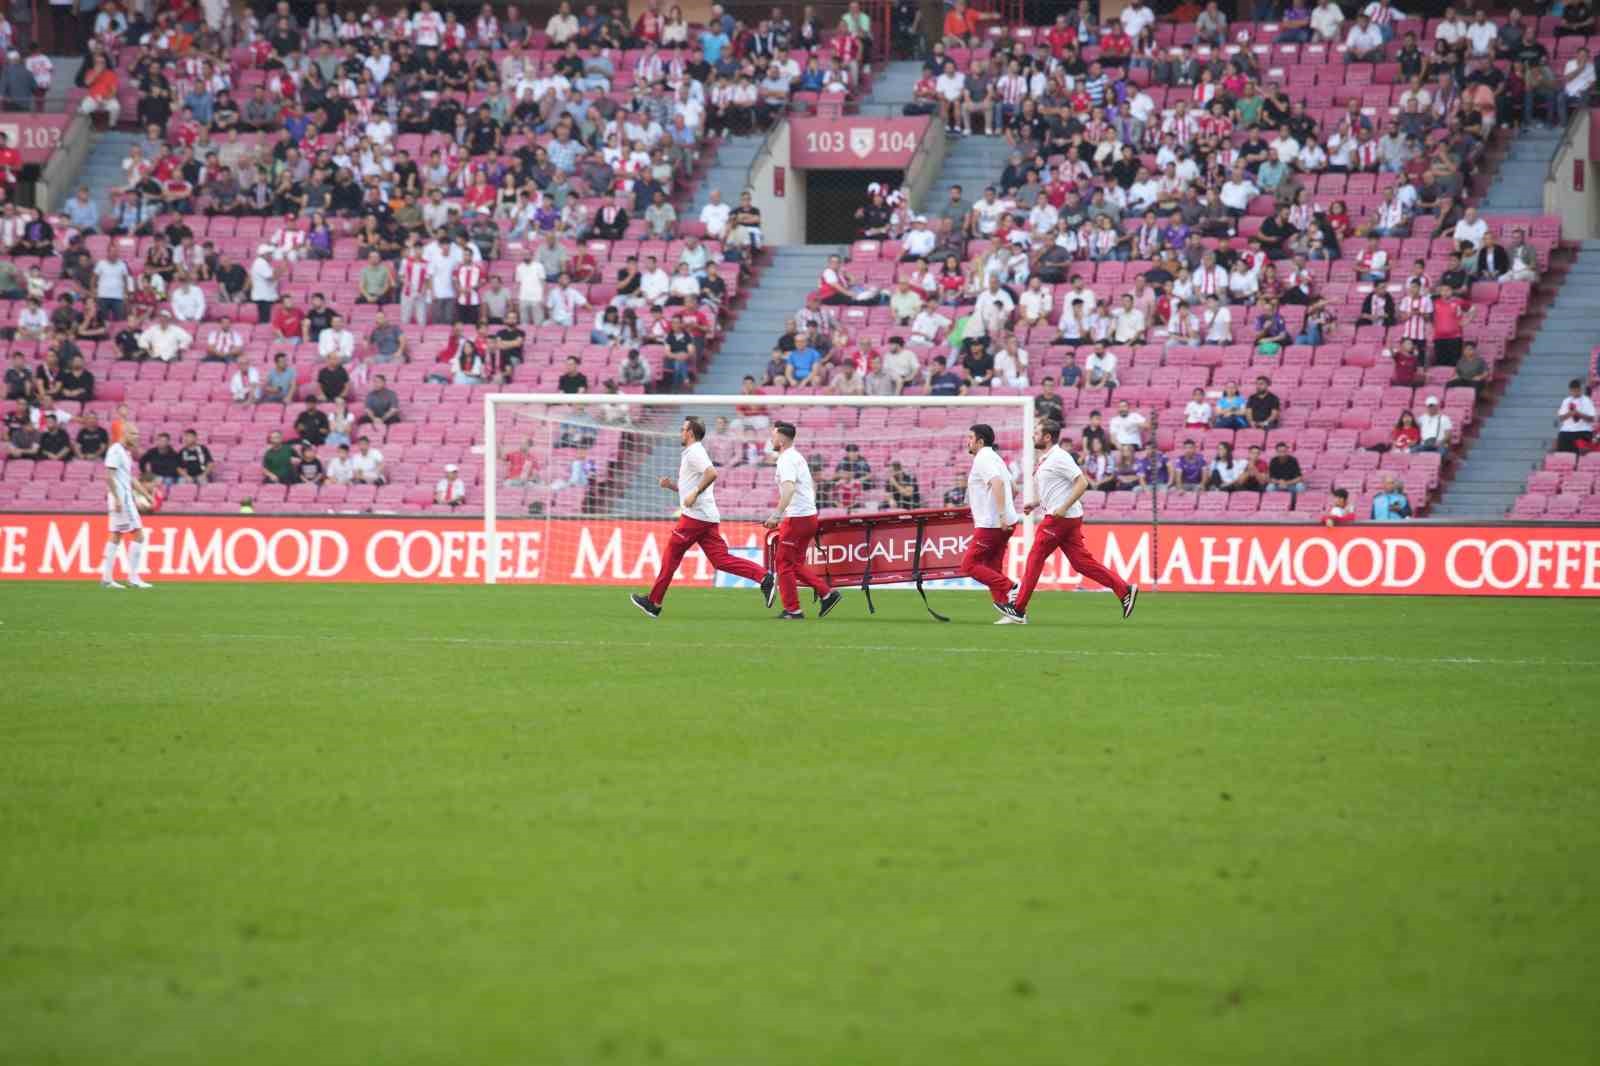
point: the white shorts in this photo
(119, 521)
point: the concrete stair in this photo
(729, 172)
(970, 162)
(1518, 185)
(102, 170)
(893, 85)
(1514, 440)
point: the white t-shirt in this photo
(1471, 231)
(263, 282)
(1057, 471)
(1128, 429)
(792, 467)
(986, 466)
(367, 466)
(530, 282)
(1572, 405)
(111, 279)
(695, 462)
(120, 463)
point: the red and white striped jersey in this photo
(469, 278)
(1418, 315)
(1367, 155)
(1012, 89)
(427, 27)
(414, 275)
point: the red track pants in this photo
(688, 533)
(794, 537)
(1065, 534)
(986, 560)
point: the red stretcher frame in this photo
(888, 547)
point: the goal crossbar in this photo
(491, 446)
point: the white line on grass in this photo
(875, 649)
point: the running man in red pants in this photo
(1061, 485)
(994, 515)
(698, 523)
(796, 523)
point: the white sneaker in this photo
(1009, 620)
(1011, 597)
(112, 585)
(139, 583)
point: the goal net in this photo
(572, 491)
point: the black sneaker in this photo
(1128, 601)
(790, 616)
(644, 604)
(1010, 616)
(829, 602)
(769, 588)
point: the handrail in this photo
(767, 142)
(1566, 139)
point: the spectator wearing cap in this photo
(450, 490)
(1435, 427)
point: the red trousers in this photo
(986, 560)
(688, 533)
(1065, 534)
(794, 537)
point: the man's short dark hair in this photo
(984, 432)
(1575, 383)
(1051, 428)
(1341, 494)
(785, 428)
(748, 377)
(697, 427)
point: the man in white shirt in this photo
(920, 241)
(796, 522)
(1364, 42)
(1574, 418)
(1216, 321)
(529, 277)
(1100, 369)
(1128, 322)
(336, 340)
(698, 523)
(366, 465)
(1470, 228)
(112, 279)
(991, 311)
(442, 263)
(1326, 20)
(1136, 16)
(564, 301)
(341, 471)
(1481, 35)
(1578, 77)
(263, 283)
(714, 215)
(655, 284)
(994, 516)
(164, 340)
(1061, 485)
(122, 511)
(1127, 427)
(188, 301)
(901, 364)
(1435, 428)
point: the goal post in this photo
(572, 480)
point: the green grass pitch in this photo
(469, 826)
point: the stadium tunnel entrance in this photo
(834, 196)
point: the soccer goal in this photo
(572, 483)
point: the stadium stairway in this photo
(1515, 440)
(729, 171)
(1518, 185)
(970, 162)
(64, 70)
(894, 84)
(102, 169)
